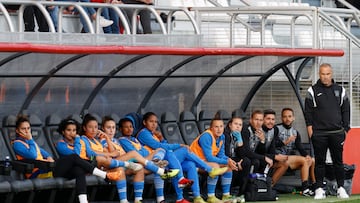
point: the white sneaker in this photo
(319, 193)
(134, 166)
(240, 199)
(341, 193)
(105, 22)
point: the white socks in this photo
(161, 171)
(83, 198)
(99, 173)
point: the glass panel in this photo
(226, 93)
(4, 55)
(94, 65)
(254, 65)
(31, 64)
(174, 95)
(205, 65)
(13, 92)
(63, 96)
(120, 96)
(154, 65)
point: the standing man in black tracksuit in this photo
(327, 115)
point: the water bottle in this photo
(266, 171)
(7, 167)
(256, 175)
(7, 162)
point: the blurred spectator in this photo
(110, 14)
(29, 13)
(91, 12)
(53, 11)
(144, 15)
(12, 8)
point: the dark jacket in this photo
(282, 148)
(268, 149)
(244, 150)
(327, 108)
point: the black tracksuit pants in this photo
(241, 177)
(335, 142)
(72, 166)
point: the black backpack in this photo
(259, 189)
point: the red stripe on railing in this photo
(159, 50)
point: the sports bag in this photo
(259, 189)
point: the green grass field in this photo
(290, 198)
(283, 198)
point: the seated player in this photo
(209, 146)
(290, 140)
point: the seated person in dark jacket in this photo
(290, 140)
(268, 146)
(232, 141)
(252, 135)
(259, 141)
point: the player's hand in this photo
(114, 154)
(159, 135)
(186, 146)
(239, 165)
(50, 159)
(232, 164)
(310, 131)
(26, 135)
(260, 134)
(269, 161)
(102, 135)
(292, 138)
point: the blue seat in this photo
(170, 128)
(188, 127)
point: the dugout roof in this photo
(67, 79)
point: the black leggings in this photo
(72, 166)
(240, 178)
